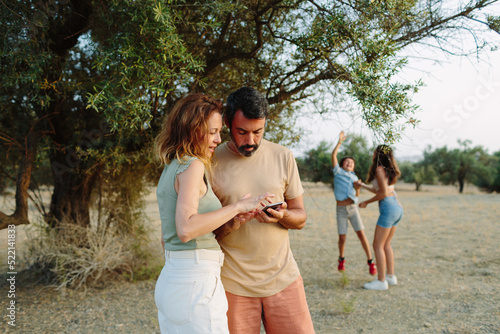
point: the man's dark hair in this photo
(250, 101)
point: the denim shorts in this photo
(390, 212)
(351, 213)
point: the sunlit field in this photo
(447, 263)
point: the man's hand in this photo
(275, 215)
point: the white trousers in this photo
(189, 294)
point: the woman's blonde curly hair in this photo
(184, 129)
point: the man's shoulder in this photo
(276, 148)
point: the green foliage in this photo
(487, 176)
(348, 306)
(496, 182)
(119, 198)
(344, 281)
(494, 23)
(418, 173)
(316, 166)
(145, 272)
(137, 44)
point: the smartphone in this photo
(273, 206)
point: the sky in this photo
(460, 101)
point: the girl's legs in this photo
(390, 214)
(389, 254)
(379, 241)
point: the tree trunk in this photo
(20, 215)
(72, 191)
(461, 183)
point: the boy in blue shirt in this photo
(346, 195)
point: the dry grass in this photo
(80, 256)
(447, 263)
(73, 256)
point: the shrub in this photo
(83, 256)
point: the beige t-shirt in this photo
(258, 259)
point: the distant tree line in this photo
(457, 166)
(449, 166)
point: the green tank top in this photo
(167, 201)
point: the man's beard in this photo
(244, 152)
(242, 149)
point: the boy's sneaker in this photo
(377, 285)
(373, 269)
(391, 280)
(341, 266)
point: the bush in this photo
(84, 256)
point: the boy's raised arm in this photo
(342, 137)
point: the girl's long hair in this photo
(384, 157)
(184, 129)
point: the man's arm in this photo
(295, 215)
(342, 137)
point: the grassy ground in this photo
(447, 263)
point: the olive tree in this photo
(86, 83)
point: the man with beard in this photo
(260, 275)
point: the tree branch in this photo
(333, 74)
(427, 30)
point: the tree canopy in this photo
(418, 173)
(86, 83)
